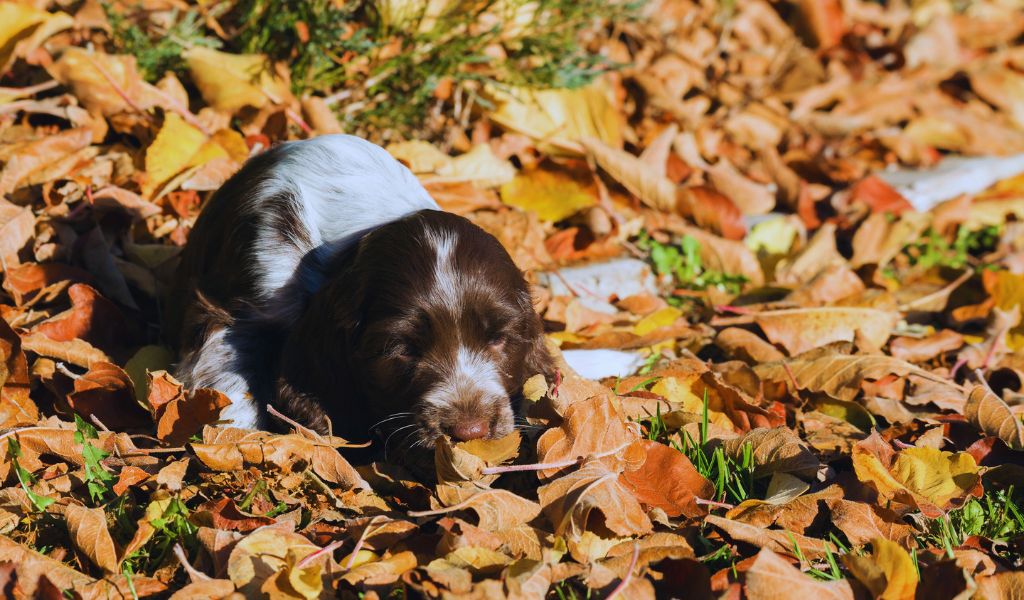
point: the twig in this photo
(359, 543)
(792, 377)
(298, 427)
(725, 505)
(96, 421)
(65, 370)
(560, 464)
(117, 88)
(315, 555)
(193, 573)
(629, 573)
(945, 291)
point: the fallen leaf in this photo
(888, 572)
(669, 481)
(183, 417)
(570, 501)
(992, 416)
(230, 82)
(262, 554)
(772, 577)
(90, 536)
(105, 392)
(551, 195)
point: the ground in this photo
(818, 372)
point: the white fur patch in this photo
(343, 187)
(473, 374)
(446, 281)
(210, 366)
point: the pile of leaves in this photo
(824, 380)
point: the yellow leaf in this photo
(480, 166)
(175, 146)
(888, 573)
(306, 580)
(931, 479)
(659, 318)
(535, 388)
(560, 114)
(774, 236)
(420, 156)
(937, 475)
(552, 195)
(679, 392)
(21, 21)
(362, 557)
(262, 554)
(230, 82)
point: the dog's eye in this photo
(497, 340)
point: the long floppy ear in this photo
(315, 380)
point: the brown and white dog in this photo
(323, 279)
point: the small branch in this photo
(66, 371)
(315, 555)
(560, 464)
(792, 377)
(362, 540)
(945, 291)
(703, 502)
(629, 573)
(298, 427)
(96, 421)
(193, 573)
(117, 88)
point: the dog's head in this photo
(440, 329)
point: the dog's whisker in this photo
(388, 440)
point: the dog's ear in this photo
(315, 378)
(538, 359)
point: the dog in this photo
(324, 280)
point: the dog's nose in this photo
(471, 429)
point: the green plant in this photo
(159, 50)
(97, 479)
(683, 263)
(26, 479)
(935, 250)
(997, 516)
(833, 573)
(171, 527)
(733, 478)
(392, 58)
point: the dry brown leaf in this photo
(76, 351)
(32, 566)
(569, 501)
(772, 577)
(991, 415)
(862, 522)
(771, 539)
(39, 154)
(16, 408)
(776, 450)
(841, 375)
(801, 329)
(90, 536)
(105, 392)
(17, 226)
(593, 427)
(185, 416)
(643, 181)
(669, 481)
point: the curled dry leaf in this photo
(264, 553)
(594, 427)
(569, 501)
(801, 329)
(32, 567)
(90, 536)
(863, 522)
(16, 408)
(772, 577)
(841, 375)
(642, 180)
(888, 572)
(17, 226)
(931, 480)
(381, 572)
(776, 450)
(184, 416)
(776, 540)
(35, 156)
(669, 481)
(230, 82)
(105, 392)
(993, 417)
